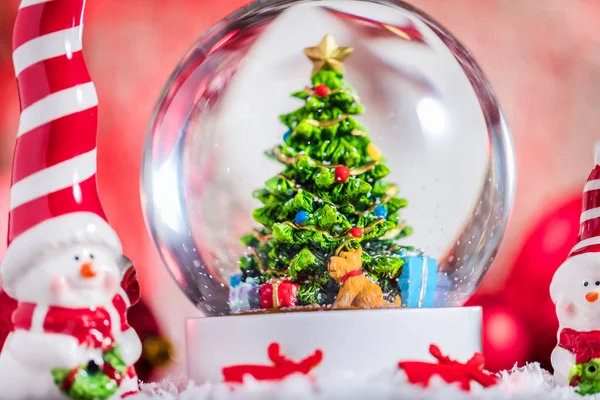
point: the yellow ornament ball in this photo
(373, 152)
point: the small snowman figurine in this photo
(575, 290)
(64, 264)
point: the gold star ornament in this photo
(327, 55)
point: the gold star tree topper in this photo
(327, 55)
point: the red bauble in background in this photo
(506, 339)
(524, 306)
(527, 287)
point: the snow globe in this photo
(342, 188)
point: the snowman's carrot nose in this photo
(591, 296)
(87, 271)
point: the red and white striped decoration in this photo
(589, 234)
(53, 195)
(54, 169)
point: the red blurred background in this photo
(539, 56)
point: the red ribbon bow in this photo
(585, 345)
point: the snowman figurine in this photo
(70, 334)
(575, 290)
(64, 264)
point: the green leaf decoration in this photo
(310, 293)
(302, 201)
(249, 240)
(283, 233)
(302, 95)
(379, 172)
(395, 204)
(324, 178)
(91, 384)
(329, 219)
(301, 263)
(265, 215)
(586, 376)
(388, 267)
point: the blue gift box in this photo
(418, 281)
(243, 296)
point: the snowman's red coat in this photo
(584, 345)
(92, 327)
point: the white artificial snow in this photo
(529, 382)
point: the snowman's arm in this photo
(562, 362)
(43, 350)
(130, 346)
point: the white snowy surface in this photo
(529, 382)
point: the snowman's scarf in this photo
(585, 345)
(91, 327)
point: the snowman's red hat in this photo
(54, 197)
(589, 233)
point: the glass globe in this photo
(428, 110)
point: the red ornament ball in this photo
(342, 174)
(322, 90)
(526, 288)
(356, 232)
(506, 338)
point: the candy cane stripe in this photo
(592, 185)
(58, 105)
(586, 243)
(27, 3)
(45, 18)
(51, 143)
(589, 214)
(588, 240)
(61, 176)
(61, 43)
(22, 219)
(51, 76)
(54, 167)
(589, 229)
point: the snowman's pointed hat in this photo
(53, 198)
(589, 232)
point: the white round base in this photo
(351, 340)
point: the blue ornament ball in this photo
(301, 217)
(287, 135)
(381, 211)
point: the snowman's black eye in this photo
(597, 283)
(76, 258)
(92, 257)
(585, 283)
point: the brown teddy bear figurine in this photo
(356, 291)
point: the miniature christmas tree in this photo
(331, 195)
